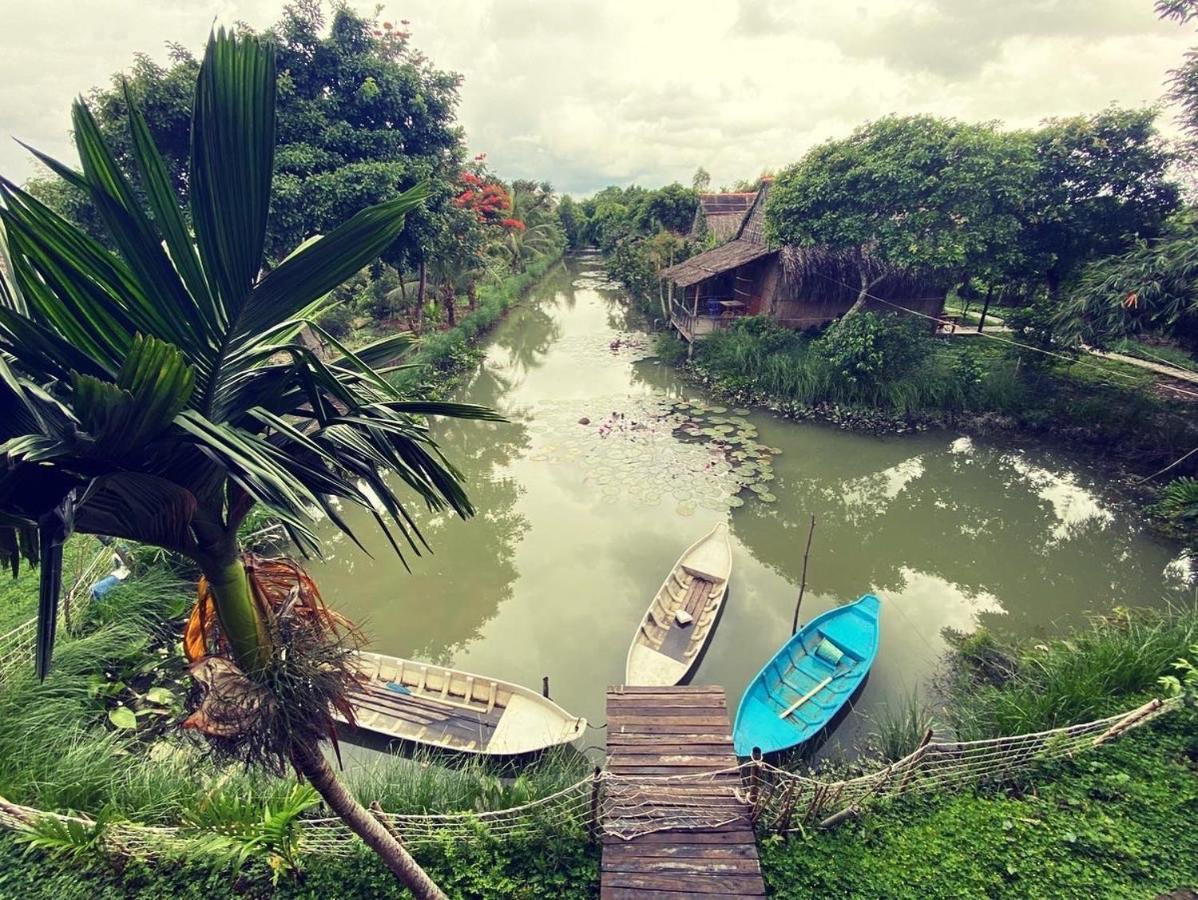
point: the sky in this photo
(585, 94)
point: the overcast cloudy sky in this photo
(617, 91)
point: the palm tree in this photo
(159, 392)
(534, 231)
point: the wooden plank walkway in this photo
(708, 846)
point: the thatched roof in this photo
(721, 213)
(713, 262)
(749, 244)
(835, 275)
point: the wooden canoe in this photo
(808, 681)
(455, 710)
(681, 618)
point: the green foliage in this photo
(1114, 822)
(513, 869)
(1087, 675)
(449, 352)
(917, 193)
(238, 828)
(870, 348)
(900, 727)
(860, 366)
(1150, 288)
(70, 841)
(1185, 682)
(362, 116)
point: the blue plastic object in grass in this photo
(807, 682)
(398, 688)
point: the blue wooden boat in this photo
(808, 681)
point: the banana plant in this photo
(154, 389)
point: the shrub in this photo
(871, 348)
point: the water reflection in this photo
(588, 494)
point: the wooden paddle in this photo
(811, 693)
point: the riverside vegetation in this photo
(1115, 819)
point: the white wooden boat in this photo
(682, 615)
(455, 710)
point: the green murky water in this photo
(579, 523)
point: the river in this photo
(578, 523)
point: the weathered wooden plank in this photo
(648, 720)
(669, 696)
(623, 739)
(687, 758)
(729, 885)
(736, 833)
(666, 690)
(617, 893)
(667, 712)
(658, 703)
(641, 849)
(698, 865)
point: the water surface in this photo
(579, 523)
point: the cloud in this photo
(960, 37)
(585, 94)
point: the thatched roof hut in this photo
(801, 287)
(720, 215)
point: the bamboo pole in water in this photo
(803, 581)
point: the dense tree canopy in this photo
(1100, 182)
(362, 116)
(949, 200)
(916, 194)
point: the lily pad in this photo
(767, 497)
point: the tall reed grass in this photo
(1094, 672)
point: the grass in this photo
(1117, 822)
(519, 869)
(899, 727)
(18, 596)
(1075, 679)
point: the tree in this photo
(919, 195)
(1151, 288)
(1100, 182)
(701, 180)
(362, 116)
(158, 393)
(572, 218)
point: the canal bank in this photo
(599, 479)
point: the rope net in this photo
(17, 646)
(626, 806)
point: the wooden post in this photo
(596, 781)
(916, 758)
(985, 308)
(1127, 722)
(794, 626)
(545, 686)
(755, 784)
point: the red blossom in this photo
(513, 223)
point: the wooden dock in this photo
(666, 836)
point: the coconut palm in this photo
(159, 392)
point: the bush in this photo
(872, 348)
(337, 320)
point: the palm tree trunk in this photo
(316, 769)
(249, 639)
(240, 623)
(450, 301)
(472, 296)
